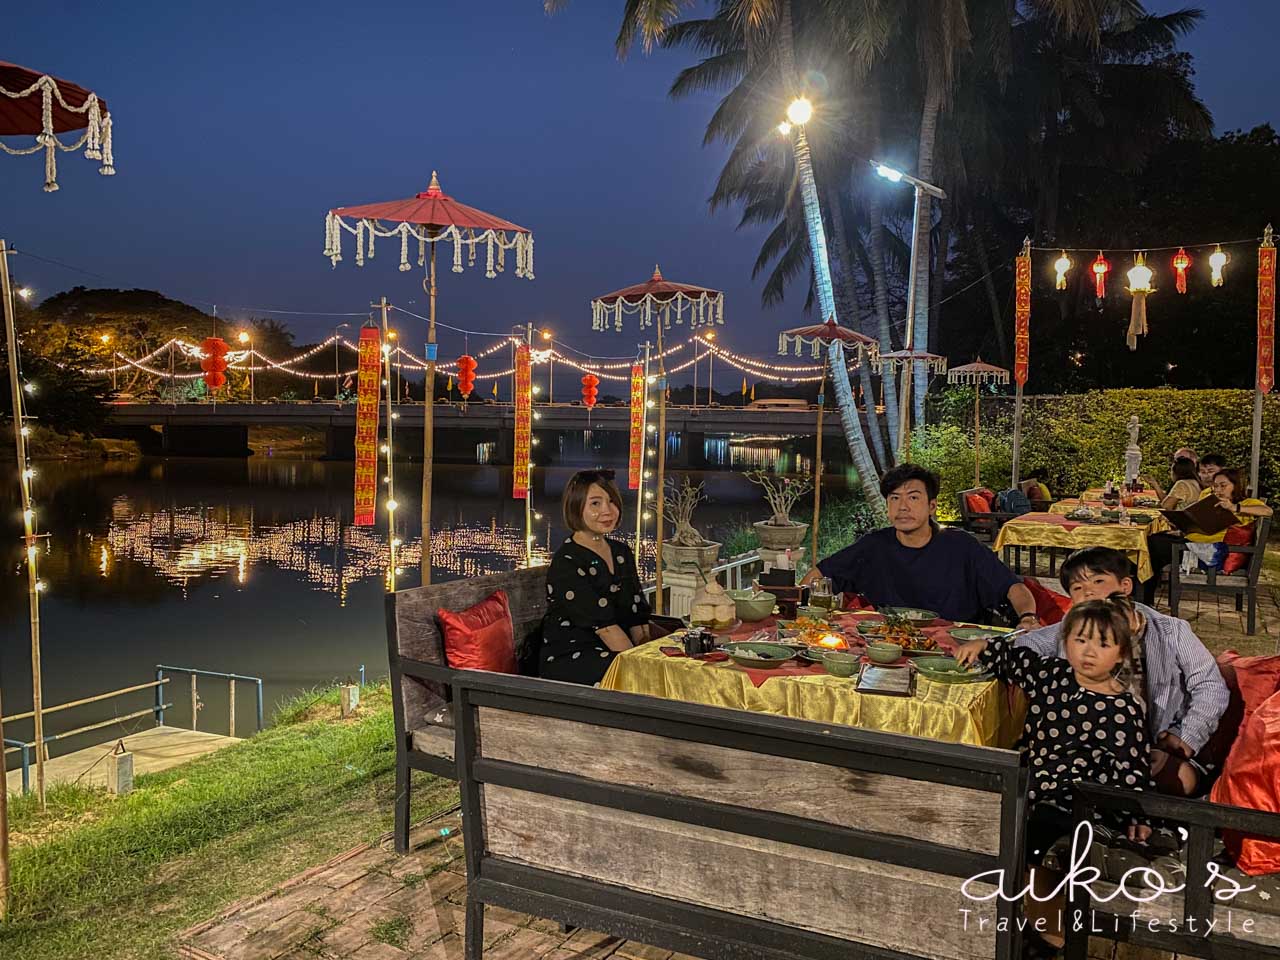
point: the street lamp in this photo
(244, 336)
(917, 241)
(711, 359)
(393, 336)
(551, 366)
(106, 341)
(336, 373)
(26, 293)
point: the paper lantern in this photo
(1061, 266)
(1181, 261)
(589, 392)
(214, 362)
(466, 375)
(1101, 267)
(1217, 260)
(1140, 286)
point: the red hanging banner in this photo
(368, 386)
(1022, 317)
(524, 422)
(1266, 317)
(636, 462)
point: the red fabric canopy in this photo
(831, 331)
(22, 115)
(433, 208)
(658, 288)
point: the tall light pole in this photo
(711, 359)
(106, 342)
(551, 366)
(798, 114)
(336, 372)
(917, 241)
(245, 337)
(393, 336)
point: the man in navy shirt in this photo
(916, 563)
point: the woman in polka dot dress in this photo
(1084, 720)
(595, 606)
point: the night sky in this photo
(239, 125)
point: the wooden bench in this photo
(724, 834)
(1196, 897)
(1243, 585)
(420, 675)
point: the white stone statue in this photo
(1132, 453)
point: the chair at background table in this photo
(1242, 585)
(985, 523)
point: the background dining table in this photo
(1045, 530)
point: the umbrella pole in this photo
(644, 446)
(817, 472)
(658, 606)
(428, 421)
(28, 521)
(1017, 435)
(977, 448)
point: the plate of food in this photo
(964, 634)
(948, 670)
(758, 656)
(914, 615)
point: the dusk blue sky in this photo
(239, 124)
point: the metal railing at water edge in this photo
(734, 570)
(196, 704)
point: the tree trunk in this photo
(867, 476)
(924, 170)
(880, 286)
(847, 307)
(993, 301)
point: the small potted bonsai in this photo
(780, 532)
(687, 547)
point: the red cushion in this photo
(1251, 778)
(989, 496)
(977, 503)
(1051, 607)
(1241, 535)
(481, 637)
(1255, 679)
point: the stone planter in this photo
(773, 537)
(683, 559)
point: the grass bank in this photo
(46, 444)
(95, 876)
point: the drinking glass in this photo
(820, 593)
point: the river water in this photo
(253, 567)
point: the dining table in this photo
(1063, 532)
(980, 713)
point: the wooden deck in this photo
(153, 749)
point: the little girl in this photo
(1085, 722)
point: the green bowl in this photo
(813, 613)
(884, 652)
(752, 606)
(947, 670)
(840, 664)
(758, 656)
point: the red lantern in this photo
(214, 362)
(589, 383)
(466, 375)
(1180, 264)
(1101, 267)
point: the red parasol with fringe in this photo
(42, 106)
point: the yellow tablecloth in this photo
(973, 713)
(1063, 507)
(1048, 530)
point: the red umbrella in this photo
(430, 217)
(38, 105)
(657, 295)
(977, 373)
(816, 335)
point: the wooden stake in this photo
(977, 448)
(195, 702)
(28, 520)
(428, 421)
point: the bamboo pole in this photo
(1017, 435)
(644, 448)
(391, 478)
(195, 702)
(28, 517)
(817, 472)
(528, 494)
(658, 606)
(80, 703)
(231, 711)
(977, 446)
(4, 818)
(428, 421)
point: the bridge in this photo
(223, 427)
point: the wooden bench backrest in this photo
(756, 830)
(414, 634)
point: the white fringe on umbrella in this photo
(983, 374)
(705, 310)
(899, 359)
(96, 139)
(496, 243)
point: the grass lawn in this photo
(101, 877)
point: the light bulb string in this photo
(1135, 250)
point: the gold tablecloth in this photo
(1051, 530)
(975, 713)
(1061, 508)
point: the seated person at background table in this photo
(1183, 688)
(595, 605)
(1186, 486)
(1209, 549)
(1208, 467)
(916, 563)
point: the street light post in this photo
(247, 338)
(711, 360)
(106, 341)
(551, 367)
(921, 188)
(336, 372)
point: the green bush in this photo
(947, 450)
